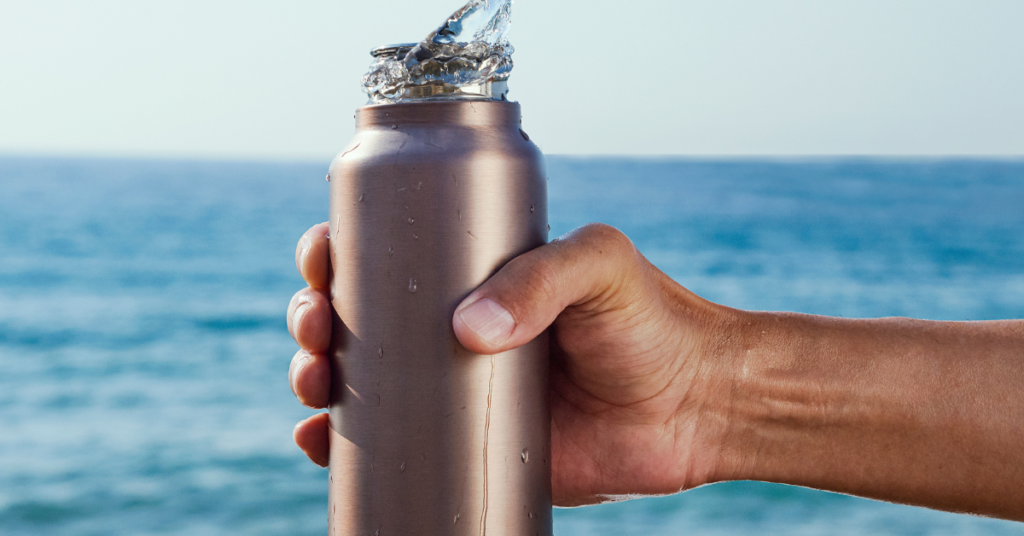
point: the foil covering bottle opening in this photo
(468, 56)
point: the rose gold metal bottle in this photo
(431, 198)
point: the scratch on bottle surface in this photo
(350, 150)
(487, 429)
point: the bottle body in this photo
(428, 201)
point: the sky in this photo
(279, 80)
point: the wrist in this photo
(719, 357)
(747, 406)
(823, 402)
(891, 409)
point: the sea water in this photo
(144, 353)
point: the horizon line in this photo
(280, 159)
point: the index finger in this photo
(311, 256)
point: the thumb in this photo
(519, 302)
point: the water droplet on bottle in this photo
(531, 209)
(532, 515)
(459, 212)
(549, 227)
(412, 221)
(391, 251)
(525, 456)
(361, 198)
(378, 401)
(457, 516)
(412, 286)
(402, 467)
(418, 186)
(328, 177)
(380, 352)
(394, 127)
(525, 136)
(415, 236)
(371, 467)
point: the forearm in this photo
(926, 413)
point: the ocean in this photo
(144, 353)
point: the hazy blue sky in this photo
(277, 79)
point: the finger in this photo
(526, 296)
(310, 379)
(312, 256)
(309, 320)
(311, 436)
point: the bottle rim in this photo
(489, 90)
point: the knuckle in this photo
(610, 255)
(603, 245)
(606, 236)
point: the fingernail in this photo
(303, 359)
(300, 311)
(307, 243)
(490, 321)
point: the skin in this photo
(655, 390)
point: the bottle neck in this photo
(460, 112)
(486, 91)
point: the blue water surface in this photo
(144, 353)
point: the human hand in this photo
(655, 390)
(634, 398)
